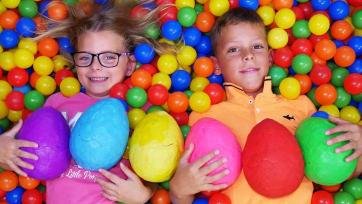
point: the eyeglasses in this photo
(106, 59)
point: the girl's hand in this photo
(10, 151)
(131, 190)
(190, 179)
(351, 133)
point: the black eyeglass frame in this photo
(119, 54)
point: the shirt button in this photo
(250, 101)
(257, 110)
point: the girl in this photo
(103, 39)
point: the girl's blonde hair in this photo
(114, 16)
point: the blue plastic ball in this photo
(320, 5)
(171, 30)
(144, 53)
(360, 107)
(218, 79)
(181, 80)
(26, 27)
(204, 46)
(65, 44)
(124, 103)
(249, 4)
(101, 2)
(9, 39)
(14, 196)
(192, 36)
(200, 200)
(23, 89)
(338, 43)
(356, 67)
(353, 103)
(321, 114)
(43, 7)
(338, 10)
(291, 71)
(355, 43)
(150, 5)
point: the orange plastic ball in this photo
(279, 4)
(326, 94)
(33, 79)
(305, 83)
(203, 67)
(48, 47)
(325, 49)
(344, 56)
(177, 102)
(57, 10)
(331, 189)
(8, 19)
(341, 30)
(28, 183)
(8, 181)
(264, 2)
(316, 60)
(205, 21)
(161, 196)
(141, 78)
(40, 22)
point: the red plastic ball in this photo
(283, 57)
(161, 196)
(181, 118)
(33, 79)
(305, 83)
(320, 74)
(299, 14)
(219, 198)
(62, 74)
(322, 197)
(353, 83)
(169, 13)
(307, 9)
(326, 94)
(302, 46)
(177, 102)
(215, 92)
(119, 91)
(18, 77)
(15, 100)
(149, 68)
(32, 197)
(139, 11)
(157, 94)
(316, 38)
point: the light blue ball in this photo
(100, 136)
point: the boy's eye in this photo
(233, 49)
(258, 46)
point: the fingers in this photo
(22, 163)
(128, 172)
(220, 175)
(203, 160)
(112, 177)
(353, 156)
(24, 154)
(341, 138)
(25, 143)
(211, 187)
(337, 120)
(13, 131)
(340, 128)
(209, 168)
(346, 147)
(106, 185)
(187, 154)
(109, 197)
(16, 169)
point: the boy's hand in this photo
(350, 132)
(10, 151)
(130, 191)
(190, 179)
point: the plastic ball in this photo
(28, 183)
(290, 88)
(46, 85)
(338, 10)
(277, 74)
(302, 64)
(181, 80)
(205, 21)
(32, 197)
(356, 67)
(48, 47)
(177, 102)
(320, 74)
(204, 46)
(8, 181)
(300, 29)
(320, 197)
(219, 198)
(267, 14)
(69, 86)
(305, 83)
(200, 200)
(357, 19)
(215, 92)
(191, 36)
(9, 39)
(169, 13)
(326, 94)
(57, 11)
(283, 57)
(277, 38)
(5, 89)
(161, 196)
(10, 3)
(341, 30)
(157, 94)
(186, 55)
(15, 100)
(338, 76)
(60, 63)
(320, 5)
(203, 67)
(14, 196)
(136, 97)
(302, 46)
(350, 114)
(200, 101)
(26, 27)
(186, 16)
(344, 56)
(135, 116)
(183, 3)
(343, 98)
(320, 114)
(331, 110)
(23, 58)
(28, 8)
(43, 65)
(144, 53)
(33, 100)
(325, 49)
(285, 18)
(318, 24)
(171, 30)
(343, 198)
(161, 78)
(198, 83)
(141, 78)
(355, 42)
(28, 44)
(249, 4)
(167, 63)
(219, 7)
(65, 45)
(4, 111)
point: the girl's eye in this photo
(233, 49)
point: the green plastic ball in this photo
(155, 108)
(311, 96)
(357, 97)
(136, 97)
(4, 123)
(153, 31)
(354, 187)
(300, 29)
(28, 8)
(199, 8)
(185, 129)
(302, 64)
(343, 98)
(357, 19)
(165, 185)
(343, 198)
(186, 16)
(277, 74)
(338, 76)
(33, 100)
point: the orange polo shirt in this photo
(241, 113)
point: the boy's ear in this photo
(131, 65)
(270, 56)
(217, 70)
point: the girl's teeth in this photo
(98, 78)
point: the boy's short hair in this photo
(233, 17)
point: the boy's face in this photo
(97, 79)
(242, 54)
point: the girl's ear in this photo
(131, 65)
(217, 70)
(270, 56)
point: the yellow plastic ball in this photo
(69, 86)
(267, 14)
(5, 89)
(198, 84)
(219, 7)
(285, 18)
(318, 24)
(60, 63)
(135, 116)
(2, 7)
(14, 116)
(200, 101)
(45, 85)
(358, 32)
(43, 65)
(201, 1)
(164, 40)
(7, 60)
(1, 48)
(351, 114)
(28, 44)
(331, 110)
(4, 111)
(184, 3)
(167, 63)
(10, 3)
(289, 88)
(277, 38)
(23, 58)
(186, 56)
(358, 202)
(161, 78)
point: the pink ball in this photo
(208, 135)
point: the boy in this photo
(243, 57)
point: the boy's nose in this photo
(248, 56)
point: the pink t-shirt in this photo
(75, 185)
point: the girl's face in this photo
(96, 78)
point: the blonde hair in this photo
(114, 16)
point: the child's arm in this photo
(350, 132)
(10, 152)
(190, 179)
(131, 191)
